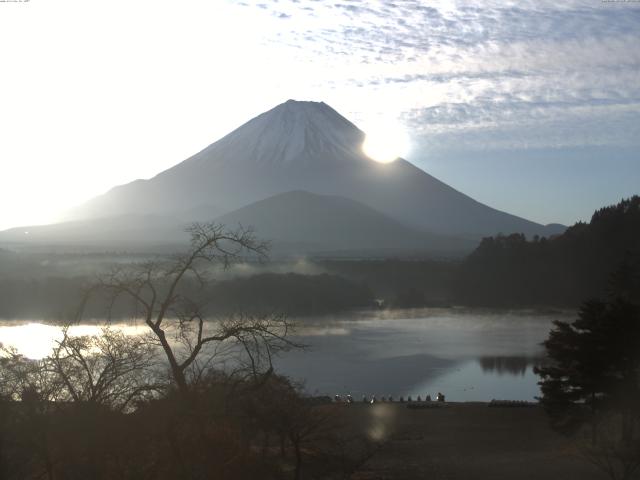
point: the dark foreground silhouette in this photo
(225, 428)
(267, 431)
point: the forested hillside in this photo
(562, 270)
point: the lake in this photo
(467, 354)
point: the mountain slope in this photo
(305, 146)
(122, 231)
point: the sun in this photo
(384, 143)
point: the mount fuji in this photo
(304, 147)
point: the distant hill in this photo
(303, 222)
(563, 270)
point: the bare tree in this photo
(170, 297)
(111, 369)
(21, 378)
(90, 377)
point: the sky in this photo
(532, 107)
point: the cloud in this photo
(510, 124)
(556, 70)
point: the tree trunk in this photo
(627, 427)
(298, 454)
(176, 372)
(48, 465)
(283, 450)
(265, 445)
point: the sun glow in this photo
(384, 143)
(37, 340)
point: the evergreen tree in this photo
(594, 361)
(594, 365)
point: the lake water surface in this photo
(466, 354)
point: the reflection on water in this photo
(468, 382)
(466, 354)
(515, 365)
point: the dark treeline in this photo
(512, 271)
(59, 298)
(348, 284)
(51, 298)
(401, 283)
(563, 270)
(291, 293)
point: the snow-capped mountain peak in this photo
(292, 132)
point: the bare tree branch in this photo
(178, 322)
